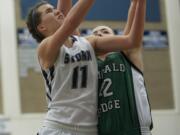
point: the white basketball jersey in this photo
(71, 85)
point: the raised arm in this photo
(49, 48)
(74, 17)
(137, 29)
(124, 42)
(131, 14)
(64, 6)
(135, 55)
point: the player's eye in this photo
(49, 10)
(106, 32)
(95, 32)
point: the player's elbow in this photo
(135, 41)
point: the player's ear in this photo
(41, 28)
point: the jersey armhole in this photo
(134, 66)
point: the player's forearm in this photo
(72, 20)
(137, 29)
(131, 14)
(64, 6)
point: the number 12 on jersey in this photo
(79, 74)
(105, 88)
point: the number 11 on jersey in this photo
(79, 74)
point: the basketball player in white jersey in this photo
(69, 66)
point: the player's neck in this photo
(102, 57)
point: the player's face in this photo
(103, 31)
(51, 18)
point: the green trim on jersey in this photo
(116, 98)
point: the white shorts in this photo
(52, 128)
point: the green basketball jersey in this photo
(119, 97)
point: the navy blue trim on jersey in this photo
(48, 80)
(49, 97)
(52, 72)
(73, 39)
(45, 75)
(131, 63)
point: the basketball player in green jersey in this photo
(123, 103)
